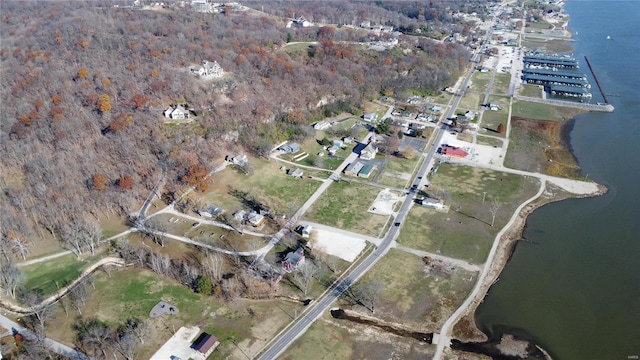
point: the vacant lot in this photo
(531, 90)
(416, 295)
(344, 205)
(501, 84)
(539, 145)
(133, 292)
(486, 140)
(470, 101)
(529, 110)
(491, 120)
(330, 339)
(266, 183)
(480, 81)
(465, 232)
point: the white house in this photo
(321, 125)
(177, 112)
(371, 117)
(369, 152)
(209, 69)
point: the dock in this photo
(604, 95)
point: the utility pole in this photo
(484, 194)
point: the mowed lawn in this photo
(415, 296)
(501, 84)
(344, 205)
(49, 276)
(266, 182)
(133, 293)
(465, 232)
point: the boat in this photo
(608, 37)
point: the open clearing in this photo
(337, 244)
(385, 202)
(344, 205)
(329, 339)
(133, 292)
(417, 295)
(465, 232)
(266, 183)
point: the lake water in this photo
(576, 292)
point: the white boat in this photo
(608, 37)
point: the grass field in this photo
(480, 81)
(470, 101)
(530, 110)
(443, 99)
(47, 277)
(491, 120)
(344, 205)
(329, 339)
(133, 292)
(501, 84)
(266, 182)
(485, 140)
(398, 165)
(415, 296)
(465, 232)
(531, 90)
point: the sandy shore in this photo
(465, 328)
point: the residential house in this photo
(299, 22)
(366, 171)
(240, 216)
(209, 69)
(238, 160)
(321, 125)
(256, 219)
(205, 344)
(290, 147)
(347, 140)
(332, 150)
(295, 173)
(293, 259)
(211, 211)
(452, 151)
(435, 108)
(176, 112)
(369, 152)
(354, 168)
(370, 117)
(431, 203)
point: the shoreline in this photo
(465, 328)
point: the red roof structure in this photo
(204, 343)
(448, 150)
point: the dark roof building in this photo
(205, 344)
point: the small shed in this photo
(205, 344)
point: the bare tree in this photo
(368, 293)
(78, 296)
(40, 313)
(11, 277)
(20, 246)
(92, 336)
(155, 229)
(304, 275)
(493, 209)
(130, 336)
(212, 265)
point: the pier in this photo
(604, 95)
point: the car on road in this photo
(396, 224)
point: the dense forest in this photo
(84, 83)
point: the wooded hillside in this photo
(84, 84)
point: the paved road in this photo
(316, 309)
(52, 345)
